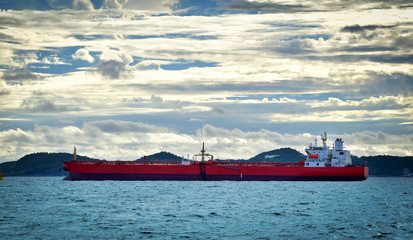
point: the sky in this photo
(122, 79)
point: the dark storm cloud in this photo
(379, 84)
(316, 6)
(372, 32)
(42, 106)
(358, 28)
(20, 76)
(367, 49)
(112, 69)
(267, 7)
(4, 92)
(404, 42)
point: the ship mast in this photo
(74, 153)
(324, 139)
(204, 154)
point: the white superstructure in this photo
(324, 156)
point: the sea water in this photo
(50, 208)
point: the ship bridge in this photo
(324, 156)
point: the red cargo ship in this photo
(322, 164)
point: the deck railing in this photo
(221, 163)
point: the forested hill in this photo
(279, 155)
(39, 164)
(162, 156)
(386, 165)
(48, 164)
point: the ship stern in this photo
(366, 172)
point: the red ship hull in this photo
(210, 171)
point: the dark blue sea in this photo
(50, 208)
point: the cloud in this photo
(371, 103)
(295, 47)
(4, 89)
(117, 4)
(6, 37)
(219, 111)
(20, 76)
(111, 139)
(286, 72)
(170, 3)
(53, 60)
(367, 143)
(274, 6)
(386, 84)
(155, 6)
(120, 127)
(404, 42)
(372, 32)
(358, 28)
(71, 4)
(156, 99)
(23, 59)
(42, 106)
(267, 7)
(83, 54)
(113, 69)
(114, 64)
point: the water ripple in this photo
(49, 208)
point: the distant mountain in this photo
(162, 156)
(386, 165)
(279, 155)
(48, 164)
(39, 164)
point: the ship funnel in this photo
(339, 144)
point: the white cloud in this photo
(130, 140)
(53, 60)
(114, 55)
(83, 54)
(305, 69)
